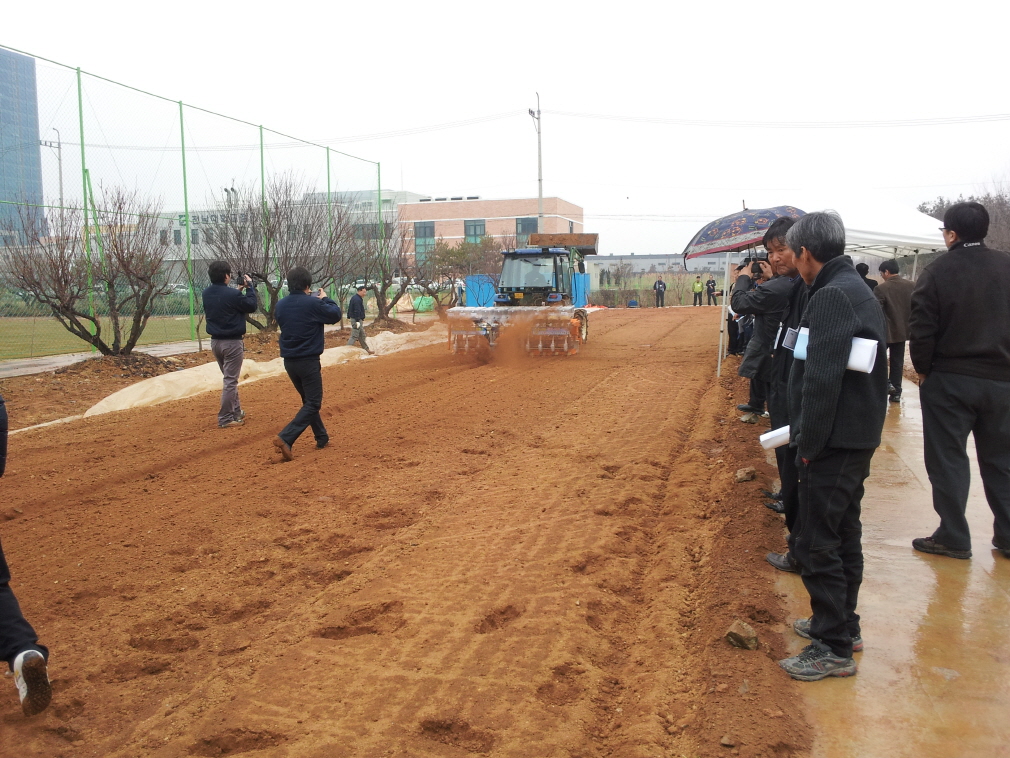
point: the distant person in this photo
(19, 645)
(862, 269)
(697, 287)
(225, 309)
(959, 338)
(895, 296)
(710, 285)
(356, 315)
(660, 288)
(836, 416)
(301, 316)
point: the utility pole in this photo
(540, 168)
(59, 157)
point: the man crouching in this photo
(837, 416)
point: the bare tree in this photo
(383, 255)
(110, 266)
(996, 200)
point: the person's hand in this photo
(766, 270)
(743, 270)
(320, 293)
(246, 281)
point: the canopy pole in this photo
(722, 321)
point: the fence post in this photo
(84, 204)
(189, 228)
(263, 201)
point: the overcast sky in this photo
(647, 181)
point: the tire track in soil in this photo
(544, 570)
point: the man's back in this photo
(224, 308)
(895, 296)
(960, 320)
(301, 318)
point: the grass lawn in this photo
(32, 337)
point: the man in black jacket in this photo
(836, 419)
(959, 338)
(301, 316)
(660, 287)
(765, 302)
(356, 315)
(225, 309)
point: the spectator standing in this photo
(660, 288)
(19, 645)
(959, 338)
(895, 296)
(836, 419)
(862, 269)
(356, 315)
(301, 316)
(697, 287)
(764, 298)
(710, 285)
(225, 309)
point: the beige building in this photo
(469, 218)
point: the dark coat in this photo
(830, 406)
(224, 308)
(301, 318)
(766, 302)
(961, 314)
(895, 296)
(356, 308)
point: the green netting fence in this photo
(104, 179)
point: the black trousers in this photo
(785, 456)
(758, 393)
(697, 298)
(713, 299)
(660, 298)
(827, 543)
(306, 376)
(16, 634)
(895, 363)
(952, 406)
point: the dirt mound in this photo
(530, 558)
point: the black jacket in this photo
(830, 406)
(356, 308)
(961, 314)
(301, 318)
(224, 308)
(766, 303)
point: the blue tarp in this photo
(480, 291)
(580, 290)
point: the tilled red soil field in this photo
(529, 557)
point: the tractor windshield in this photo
(521, 271)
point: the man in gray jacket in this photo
(836, 418)
(895, 296)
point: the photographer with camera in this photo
(225, 308)
(759, 293)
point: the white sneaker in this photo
(32, 680)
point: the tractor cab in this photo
(541, 274)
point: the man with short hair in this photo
(660, 288)
(710, 286)
(836, 418)
(764, 297)
(301, 316)
(959, 338)
(697, 287)
(862, 269)
(895, 296)
(225, 309)
(356, 315)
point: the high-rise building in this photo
(20, 156)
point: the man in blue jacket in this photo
(356, 315)
(225, 309)
(301, 316)
(836, 416)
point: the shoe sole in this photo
(285, 449)
(840, 673)
(961, 555)
(40, 691)
(790, 570)
(857, 642)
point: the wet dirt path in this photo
(524, 558)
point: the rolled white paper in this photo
(863, 355)
(775, 438)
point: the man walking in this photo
(301, 316)
(836, 418)
(19, 645)
(895, 296)
(225, 308)
(660, 287)
(356, 315)
(959, 338)
(710, 285)
(697, 288)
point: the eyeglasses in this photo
(944, 229)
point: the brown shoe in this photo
(285, 449)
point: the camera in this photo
(755, 265)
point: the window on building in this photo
(473, 230)
(571, 227)
(208, 237)
(196, 237)
(424, 237)
(524, 228)
(177, 236)
(163, 236)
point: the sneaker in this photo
(240, 416)
(783, 562)
(320, 444)
(772, 495)
(776, 505)
(802, 628)
(230, 424)
(1005, 552)
(894, 397)
(929, 545)
(32, 680)
(816, 662)
(285, 449)
(747, 408)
